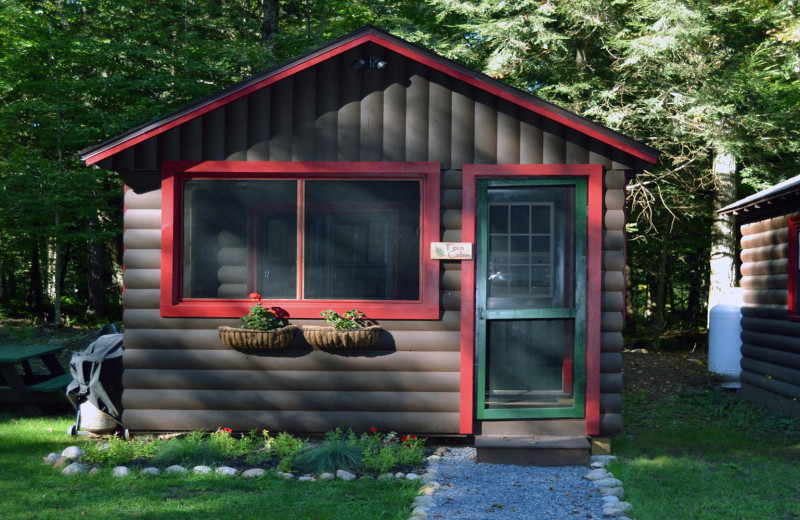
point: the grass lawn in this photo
(707, 454)
(31, 489)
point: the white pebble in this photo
(72, 452)
(120, 471)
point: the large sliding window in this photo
(306, 236)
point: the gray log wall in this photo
(179, 376)
(770, 342)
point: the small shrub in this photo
(286, 447)
(383, 452)
(330, 455)
(189, 450)
(117, 451)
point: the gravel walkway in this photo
(480, 491)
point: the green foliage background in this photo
(689, 77)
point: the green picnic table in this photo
(19, 384)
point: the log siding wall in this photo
(770, 342)
(178, 375)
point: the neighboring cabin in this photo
(322, 184)
(770, 228)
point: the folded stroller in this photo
(96, 389)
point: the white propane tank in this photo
(725, 344)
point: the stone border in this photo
(69, 463)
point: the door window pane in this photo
(531, 243)
(529, 364)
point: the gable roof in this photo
(779, 191)
(379, 37)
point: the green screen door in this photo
(530, 298)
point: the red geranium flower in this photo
(373, 429)
(403, 438)
(254, 296)
(225, 430)
(412, 437)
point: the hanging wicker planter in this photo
(330, 338)
(250, 339)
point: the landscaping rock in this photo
(94, 471)
(412, 476)
(596, 474)
(424, 501)
(608, 483)
(287, 476)
(201, 470)
(226, 471)
(51, 458)
(150, 472)
(72, 452)
(434, 458)
(73, 469)
(306, 478)
(176, 470)
(429, 476)
(610, 499)
(61, 462)
(440, 451)
(327, 476)
(613, 491)
(399, 475)
(253, 473)
(345, 475)
(120, 471)
(603, 459)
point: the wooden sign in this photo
(451, 251)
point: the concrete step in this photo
(533, 450)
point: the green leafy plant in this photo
(261, 318)
(382, 452)
(352, 319)
(117, 451)
(286, 447)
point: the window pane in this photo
(239, 236)
(362, 240)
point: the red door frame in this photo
(594, 236)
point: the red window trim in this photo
(792, 299)
(594, 236)
(174, 173)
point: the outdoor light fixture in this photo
(370, 63)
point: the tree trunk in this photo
(659, 298)
(57, 287)
(269, 20)
(630, 297)
(35, 297)
(95, 279)
(722, 264)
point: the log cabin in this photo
(769, 222)
(482, 227)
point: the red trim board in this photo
(172, 304)
(594, 175)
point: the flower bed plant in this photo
(369, 453)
